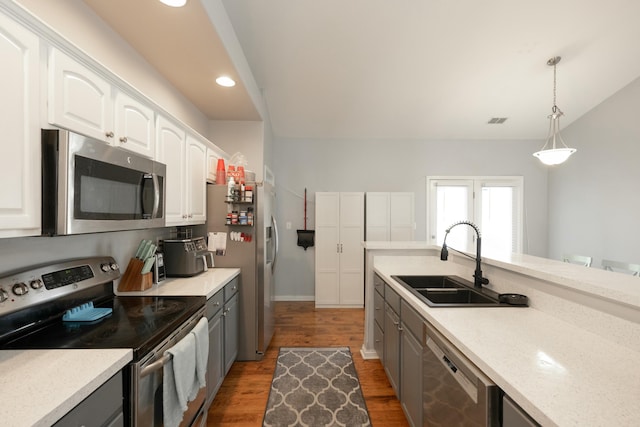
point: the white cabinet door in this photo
(377, 217)
(170, 150)
(79, 99)
(351, 251)
(339, 253)
(134, 125)
(402, 216)
(20, 147)
(327, 241)
(196, 181)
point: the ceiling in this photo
(382, 69)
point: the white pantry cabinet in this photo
(390, 216)
(339, 276)
(20, 146)
(83, 101)
(185, 158)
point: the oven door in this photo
(147, 377)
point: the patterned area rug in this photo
(315, 387)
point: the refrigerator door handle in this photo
(275, 235)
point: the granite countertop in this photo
(38, 387)
(204, 284)
(558, 372)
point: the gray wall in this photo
(594, 197)
(340, 165)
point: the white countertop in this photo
(559, 373)
(38, 387)
(204, 284)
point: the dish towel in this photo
(201, 334)
(180, 384)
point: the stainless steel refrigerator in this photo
(255, 256)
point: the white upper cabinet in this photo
(79, 99)
(196, 180)
(170, 150)
(20, 146)
(185, 157)
(82, 101)
(134, 125)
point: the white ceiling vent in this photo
(497, 120)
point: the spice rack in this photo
(241, 212)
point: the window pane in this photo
(452, 206)
(497, 219)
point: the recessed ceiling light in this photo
(225, 81)
(174, 3)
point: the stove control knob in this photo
(20, 289)
(3, 295)
(35, 284)
(105, 267)
(114, 266)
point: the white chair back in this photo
(578, 259)
(626, 267)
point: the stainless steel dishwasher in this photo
(455, 392)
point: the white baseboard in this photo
(294, 298)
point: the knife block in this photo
(132, 280)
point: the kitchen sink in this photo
(424, 282)
(454, 291)
(456, 296)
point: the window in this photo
(494, 204)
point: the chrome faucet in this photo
(444, 253)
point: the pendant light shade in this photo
(554, 151)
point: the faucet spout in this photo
(444, 253)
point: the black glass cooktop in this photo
(139, 323)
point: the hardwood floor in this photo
(242, 398)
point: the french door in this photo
(494, 204)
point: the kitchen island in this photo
(570, 359)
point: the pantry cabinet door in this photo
(351, 250)
(79, 99)
(327, 249)
(134, 130)
(20, 147)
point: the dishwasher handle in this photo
(451, 367)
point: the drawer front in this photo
(411, 320)
(392, 298)
(378, 309)
(231, 288)
(378, 284)
(214, 304)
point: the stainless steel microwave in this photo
(89, 186)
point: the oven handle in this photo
(155, 365)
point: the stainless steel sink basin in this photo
(451, 291)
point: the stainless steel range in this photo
(34, 304)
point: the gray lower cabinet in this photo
(103, 408)
(231, 321)
(378, 330)
(392, 339)
(514, 416)
(223, 317)
(215, 365)
(402, 352)
(411, 349)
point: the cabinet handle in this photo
(338, 247)
(377, 308)
(109, 134)
(400, 328)
(216, 304)
(396, 323)
(184, 216)
(123, 139)
(377, 341)
(190, 215)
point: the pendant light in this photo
(550, 153)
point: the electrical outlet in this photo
(288, 225)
